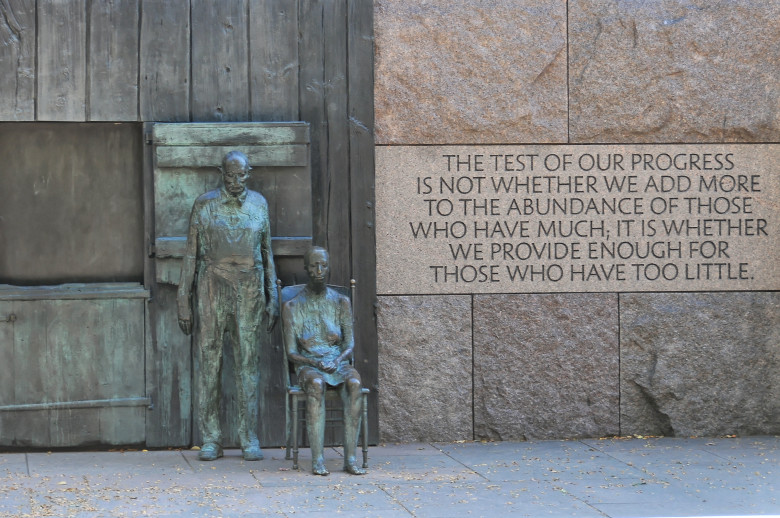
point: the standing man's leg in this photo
(208, 342)
(247, 348)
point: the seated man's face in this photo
(317, 268)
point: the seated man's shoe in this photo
(318, 467)
(210, 451)
(351, 467)
(253, 453)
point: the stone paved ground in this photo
(649, 477)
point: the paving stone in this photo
(492, 71)
(425, 368)
(488, 499)
(433, 469)
(545, 366)
(13, 463)
(700, 364)
(699, 71)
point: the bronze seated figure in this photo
(318, 339)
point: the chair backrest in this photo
(287, 293)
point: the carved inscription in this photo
(577, 218)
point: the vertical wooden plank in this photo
(220, 61)
(31, 365)
(311, 88)
(122, 426)
(73, 328)
(165, 61)
(7, 371)
(273, 49)
(8, 420)
(17, 61)
(62, 60)
(168, 374)
(361, 168)
(120, 371)
(74, 427)
(336, 182)
(113, 60)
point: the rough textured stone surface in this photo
(662, 71)
(700, 364)
(457, 72)
(425, 365)
(546, 366)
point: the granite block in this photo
(663, 71)
(425, 363)
(577, 218)
(546, 366)
(695, 364)
(457, 72)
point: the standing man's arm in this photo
(184, 298)
(271, 296)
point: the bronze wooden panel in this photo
(220, 61)
(273, 47)
(62, 60)
(113, 60)
(287, 190)
(165, 61)
(70, 203)
(312, 86)
(231, 134)
(334, 179)
(69, 351)
(17, 64)
(361, 167)
(211, 156)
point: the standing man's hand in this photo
(272, 316)
(185, 316)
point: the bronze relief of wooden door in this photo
(181, 163)
(72, 302)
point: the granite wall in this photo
(515, 366)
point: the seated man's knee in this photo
(315, 386)
(353, 385)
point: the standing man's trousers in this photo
(229, 299)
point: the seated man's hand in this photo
(328, 366)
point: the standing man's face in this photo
(235, 175)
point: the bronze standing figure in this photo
(230, 267)
(317, 328)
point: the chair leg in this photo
(295, 430)
(365, 430)
(287, 427)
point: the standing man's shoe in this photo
(253, 453)
(210, 451)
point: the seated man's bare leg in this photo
(314, 386)
(351, 397)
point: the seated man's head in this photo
(315, 261)
(235, 172)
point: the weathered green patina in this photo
(317, 330)
(230, 264)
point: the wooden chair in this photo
(296, 394)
